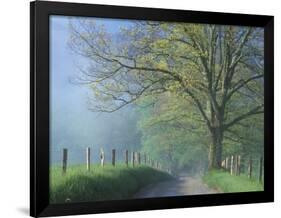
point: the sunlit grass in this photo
(229, 183)
(100, 183)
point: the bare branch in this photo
(241, 84)
(254, 111)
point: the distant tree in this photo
(172, 134)
(218, 69)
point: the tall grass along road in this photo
(230, 183)
(101, 183)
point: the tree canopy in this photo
(197, 84)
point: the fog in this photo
(73, 125)
(87, 129)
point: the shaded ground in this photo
(183, 185)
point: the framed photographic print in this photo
(141, 109)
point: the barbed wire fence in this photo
(102, 157)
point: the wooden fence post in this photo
(139, 158)
(260, 171)
(239, 165)
(126, 157)
(223, 164)
(236, 165)
(133, 158)
(231, 165)
(88, 158)
(250, 168)
(144, 157)
(102, 157)
(113, 156)
(64, 160)
(226, 163)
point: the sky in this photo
(73, 126)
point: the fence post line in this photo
(102, 157)
(88, 158)
(113, 157)
(231, 165)
(126, 157)
(250, 168)
(260, 170)
(64, 160)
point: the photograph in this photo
(154, 109)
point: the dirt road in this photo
(183, 185)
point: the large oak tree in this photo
(218, 70)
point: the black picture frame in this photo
(39, 107)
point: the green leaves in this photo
(196, 77)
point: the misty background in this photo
(73, 126)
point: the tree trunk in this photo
(215, 148)
(211, 155)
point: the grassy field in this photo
(107, 183)
(225, 182)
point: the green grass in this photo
(100, 184)
(225, 182)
